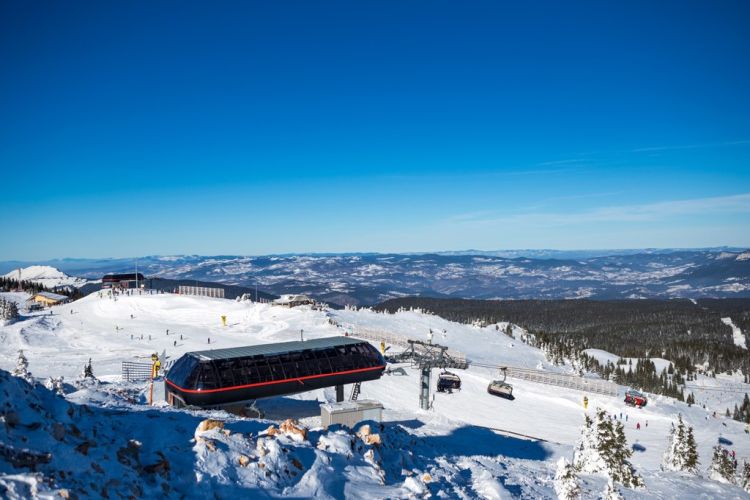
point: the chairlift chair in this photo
(501, 388)
(448, 382)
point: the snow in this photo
(604, 357)
(744, 256)
(468, 445)
(47, 276)
(737, 335)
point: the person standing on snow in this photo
(638, 426)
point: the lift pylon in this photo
(426, 356)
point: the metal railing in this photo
(596, 386)
(575, 382)
(133, 371)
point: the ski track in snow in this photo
(456, 442)
(737, 335)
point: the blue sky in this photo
(254, 128)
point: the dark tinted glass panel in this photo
(312, 366)
(275, 364)
(206, 377)
(322, 361)
(245, 372)
(181, 371)
(262, 370)
(345, 358)
(224, 370)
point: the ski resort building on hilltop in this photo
(131, 280)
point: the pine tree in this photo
(8, 311)
(586, 457)
(611, 492)
(690, 460)
(722, 468)
(681, 453)
(746, 477)
(603, 448)
(566, 481)
(55, 384)
(22, 367)
(670, 453)
(88, 371)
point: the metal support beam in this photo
(424, 388)
(339, 393)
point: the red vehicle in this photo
(635, 398)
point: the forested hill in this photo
(683, 331)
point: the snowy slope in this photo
(737, 335)
(468, 444)
(47, 276)
(605, 357)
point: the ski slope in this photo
(470, 443)
(737, 335)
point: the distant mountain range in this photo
(366, 279)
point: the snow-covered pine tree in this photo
(88, 371)
(667, 462)
(603, 448)
(22, 367)
(611, 492)
(586, 457)
(745, 478)
(8, 311)
(722, 468)
(682, 452)
(566, 480)
(622, 470)
(55, 384)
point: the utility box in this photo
(158, 390)
(350, 413)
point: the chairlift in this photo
(501, 388)
(448, 382)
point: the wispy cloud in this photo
(736, 204)
(692, 146)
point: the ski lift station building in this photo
(130, 280)
(223, 377)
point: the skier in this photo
(638, 426)
(175, 343)
(209, 340)
(646, 423)
(180, 336)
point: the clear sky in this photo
(136, 128)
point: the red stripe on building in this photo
(259, 384)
